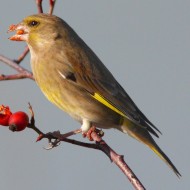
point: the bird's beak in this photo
(21, 32)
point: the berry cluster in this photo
(17, 121)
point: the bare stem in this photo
(119, 161)
(13, 77)
(24, 73)
(51, 6)
(39, 6)
(99, 144)
(22, 56)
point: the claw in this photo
(53, 144)
(40, 137)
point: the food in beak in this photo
(20, 33)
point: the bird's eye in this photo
(33, 23)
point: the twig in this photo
(24, 73)
(100, 144)
(39, 6)
(119, 161)
(13, 77)
(22, 56)
(51, 6)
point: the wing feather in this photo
(91, 74)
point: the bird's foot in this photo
(90, 131)
(52, 144)
(56, 137)
(53, 139)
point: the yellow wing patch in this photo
(106, 103)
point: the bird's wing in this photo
(96, 79)
(91, 74)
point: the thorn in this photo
(40, 137)
(30, 109)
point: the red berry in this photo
(18, 121)
(5, 114)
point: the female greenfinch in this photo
(73, 78)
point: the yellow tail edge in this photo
(165, 158)
(142, 135)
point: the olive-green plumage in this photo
(73, 78)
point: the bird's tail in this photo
(143, 136)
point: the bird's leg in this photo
(87, 129)
(66, 135)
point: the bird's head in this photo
(38, 30)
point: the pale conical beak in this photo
(21, 32)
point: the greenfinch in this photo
(73, 78)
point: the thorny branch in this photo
(22, 72)
(39, 6)
(22, 56)
(99, 144)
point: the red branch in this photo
(100, 144)
(39, 6)
(119, 161)
(51, 6)
(23, 73)
(22, 56)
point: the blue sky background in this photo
(146, 45)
